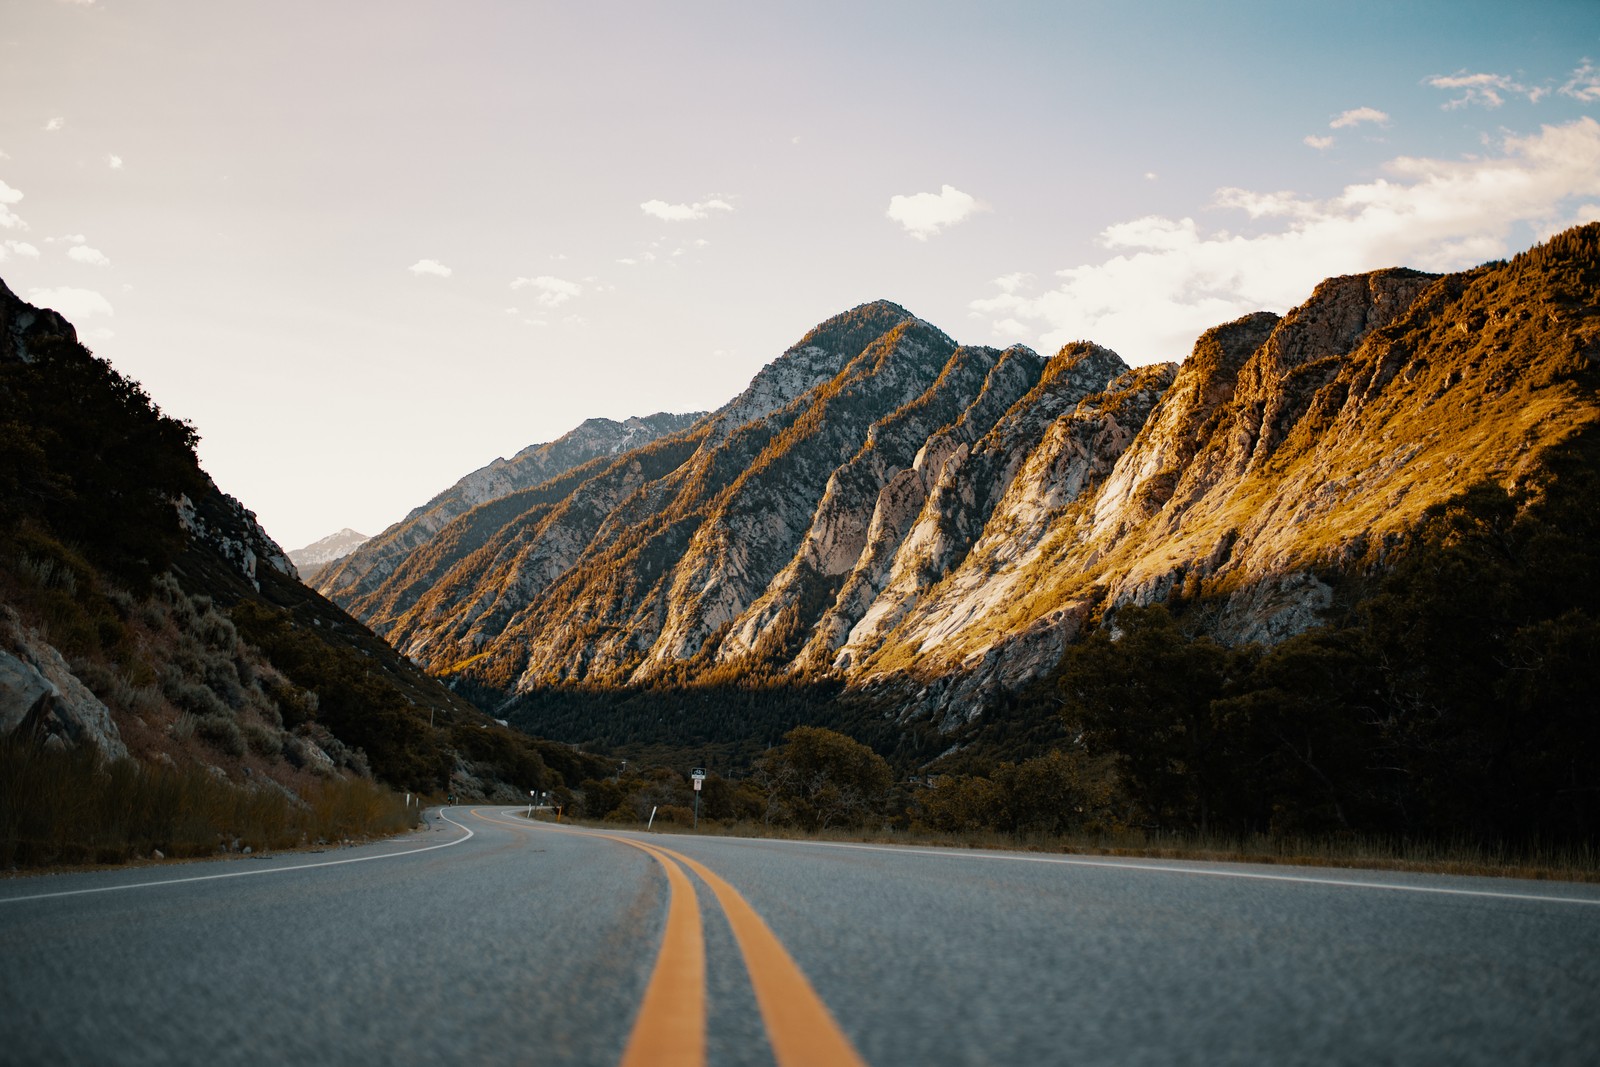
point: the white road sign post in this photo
(697, 776)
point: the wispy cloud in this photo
(660, 209)
(1356, 116)
(92, 256)
(924, 214)
(1010, 283)
(1584, 84)
(73, 303)
(1168, 279)
(55, 125)
(114, 161)
(1319, 143)
(10, 220)
(1485, 90)
(17, 248)
(549, 292)
(431, 267)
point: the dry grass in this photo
(64, 807)
(1568, 863)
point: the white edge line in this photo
(246, 874)
(1210, 873)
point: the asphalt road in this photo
(487, 940)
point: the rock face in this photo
(231, 529)
(40, 694)
(915, 517)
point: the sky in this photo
(368, 247)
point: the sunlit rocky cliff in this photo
(936, 522)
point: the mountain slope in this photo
(376, 561)
(931, 525)
(146, 613)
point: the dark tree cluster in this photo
(1461, 698)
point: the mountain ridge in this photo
(934, 524)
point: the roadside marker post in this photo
(697, 776)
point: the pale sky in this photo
(367, 247)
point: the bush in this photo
(68, 806)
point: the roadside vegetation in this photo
(822, 786)
(66, 806)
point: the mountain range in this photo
(929, 525)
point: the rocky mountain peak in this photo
(816, 358)
(326, 550)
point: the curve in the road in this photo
(800, 1028)
(467, 835)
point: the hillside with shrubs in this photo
(167, 685)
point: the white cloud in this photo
(924, 214)
(1488, 90)
(73, 303)
(430, 266)
(1010, 283)
(684, 212)
(549, 292)
(18, 248)
(10, 220)
(1168, 280)
(55, 124)
(1149, 175)
(1356, 116)
(114, 161)
(1319, 143)
(100, 333)
(1584, 84)
(92, 256)
(1582, 215)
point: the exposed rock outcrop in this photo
(40, 694)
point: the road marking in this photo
(670, 1030)
(800, 1028)
(1211, 873)
(247, 874)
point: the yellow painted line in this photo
(802, 1030)
(670, 1030)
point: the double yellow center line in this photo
(671, 1027)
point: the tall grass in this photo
(67, 806)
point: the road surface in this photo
(487, 939)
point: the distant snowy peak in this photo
(334, 547)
